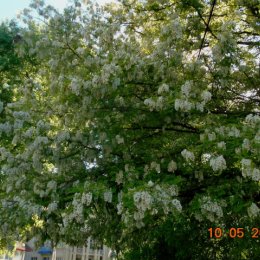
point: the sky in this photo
(10, 8)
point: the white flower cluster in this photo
(246, 144)
(28, 133)
(154, 103)
(5, 128)
(211, 136)
(177, 29)
(77, 213)
(164, 88)
(228, 131)
(42, 126)
(119, 207)
(108, 195)
(163, 199)
(39, 140)
(172, 166)
(52, 207)
(221, 145)
(37, 164)
(155, 166)
(39, 189)
(253, 211)
(183, 105)
(119, 139)
(143, 200)
(76, 86)
(218, 164)
(62, 136)
(25, 116)
(252, 119)
(187, 155)
(248, 171)
(119, 177)
(234, 132)
(186, 88)
(52, 185)
(186, 104)
(211, 210)
(86, 198)
(206, 96)
(177, 205)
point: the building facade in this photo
(65, 252)
(90, 251)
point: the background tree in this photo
(140, 128)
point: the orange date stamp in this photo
(234, 232)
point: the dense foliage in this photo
(138, 125)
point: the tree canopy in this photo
(136, 123)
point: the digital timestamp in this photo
(234, 232)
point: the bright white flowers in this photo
(221, 145)
(211, 210)
(143, 200)
(172, 166)
(218, 164)
(177, 205)
(119, 139)
(155, 166)
(248, 170)
(186, 88)
(164, 88)
(108, 195)
(253, 211)
(86, 198)
(183, 105)
(187, 155)
(252, 119)
(206, 95)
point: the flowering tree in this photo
(139, 126)
(12, 72)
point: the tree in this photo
(13, 71)
(140, 128)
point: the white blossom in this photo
(246, 144)
(187, 155)
(212, 136)
(164, 88)
(177, 205)
(172, 166)
(108, 196)
(52, 207)
(253, 211)
(143, 200)
(186, 88)
(211, 210)
(119, 139)
(206, 95)
(221, 145)
(150, 184)
(119, 177)
(255, 174)
(218, 163)
(52, 185)
(86, 198)
(183, 105)
(156, 167)
(252, 119)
